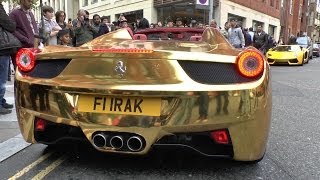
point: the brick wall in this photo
(263, 6)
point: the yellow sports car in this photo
(124, 93)
(288, 54)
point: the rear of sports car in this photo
(135, 96)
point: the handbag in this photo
(8, 40)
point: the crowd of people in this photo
(240, 37)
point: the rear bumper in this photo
(245, 113)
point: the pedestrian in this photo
(8, 25)
(64, 37)
(213, 23)
(226, 29)
(251, 33)
(104, 26)
(160, 24)
(179, 22)
(61, 20)
(260, 39)
(96, 24)
(235, 35)
(281, 41)
(124, 23)
(143, 24)
(83, 30)
(170, 23)
(247, 37)
(292, 40)
(26, 27)
(50, 26)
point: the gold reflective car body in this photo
(153, 98)
(288, 54)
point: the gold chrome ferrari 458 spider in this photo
(288, 54)
(123, 93)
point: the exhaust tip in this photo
(135, 143)
(116, 142)
(99, 140)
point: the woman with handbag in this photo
(7, 26)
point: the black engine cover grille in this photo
(48, 68)
(214, 72)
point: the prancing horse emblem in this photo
(120, 69)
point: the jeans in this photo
(4, 67)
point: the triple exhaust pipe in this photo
(133, 143)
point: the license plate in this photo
(120, 105)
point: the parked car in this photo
(127, 94)
(316, 50)
(288, 54)
(305, 41)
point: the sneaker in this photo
(7, 106)
(5, 111)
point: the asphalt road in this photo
(293, 149)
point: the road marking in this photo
(29, 167)
(50, 168)
(12, 146)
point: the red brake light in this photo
(122, 50)
(26, 58)
(250, 63)
(220, 136)
(40, 124)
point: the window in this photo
(272, 3)
(277, 5)
(300, 11)
(94, 1)
(84, 3)
(291, 4)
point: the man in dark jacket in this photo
(26, 25)
(8, 25)
(260, 39)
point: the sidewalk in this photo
(8, 123)
(11, 140)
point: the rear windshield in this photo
(286, 48)
(302, 40)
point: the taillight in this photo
(26, 58)
(122, 50)
(40, 124)
(250, 63)
(220, 136)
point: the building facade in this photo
(132, 9)
(312, 23)
(292, 18)
(251, 13)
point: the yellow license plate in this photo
(120, 105)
